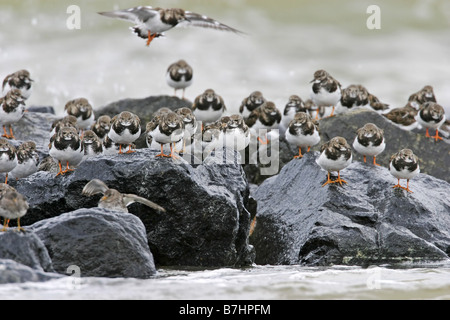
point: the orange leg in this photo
(162, 153)
(150, 37)
(11, 134)
(252, 226)
(60, 169)
(407, 186)
(328, 181)
(309, 148)
(398, 185)
(375, 161)
(172, 154)
(364, 159)
(436, 137)
(427, 134)
(339, 180)
(129, 149)
(262, 141)
(6, 179)
(5, 134)
(120, 149)
(19, 228)
(67, 168)
(332, 112)
(5, 225)
(299, 153)
(317, 114)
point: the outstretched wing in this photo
(131, 198)
(198, 20)
(94, 186)
(137, 14)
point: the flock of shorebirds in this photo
(80, 135)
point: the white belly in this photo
(325, 98)
(207, 116)
(126, 138)
(370, 150)
(7, 165)
(74, 157)
(333, 165)
(403, 174)
(303, 140)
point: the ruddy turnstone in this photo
(113, 199)
(404, 117)
(426, 94)
(376, 104)
(152, 22)
(236, 133)
(369, 141)
(295, 104)
(166, 128)
(81, 109)
(335, 155)
(19, 80)
(431, 116)
(125, 129)
(66, 148)
(190, 125)
(12, 108)
(213, 135)
(13, 205)
(325, 90)
(91, 144)
(101, 126)
(353, 96)
(48, 164)
(302, 132)
(208, 107)
(179, 76)
(250, 103)
(404, 165)
(261, 120)
(27, 160)
(8, 157)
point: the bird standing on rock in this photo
(8, 157)
(13, 205)
(325, 91)
(250, 103)
(369, 141)
(151, 22)
(102, 126)
(265, 118)
(113, 199)
(27, 160)
(208, 107)
(125, 129)
(431, 116)
(335, 155)
(19, 80)
(302, 132)
(82, 110)
(65, 147)
(12, 108)
(404, 165)
(166, 128)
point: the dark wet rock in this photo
(25, 248)
(206, 223)
(41, 109)
(98, 242)
(434, 157)
(364, 222)
(14, 272)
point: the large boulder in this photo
(364, 222)
(25, 248)
(98, 242)
(434, 157)
(206, 223)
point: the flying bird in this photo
(151, 22)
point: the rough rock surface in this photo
(99, 242)
(363, 222)
(14, 272)
(25, 248)
(206, 223)
(434, 157)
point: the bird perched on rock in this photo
(13, 205)
(91, 144)
(426, 94)
(82, 110)
(8, 157)
(208, 107)
(102, 126)
(325, 90)
(369, 141)
(236, 133)
(302, 132)
(66, 121)
(404, 165)
(113, 199)
(179, 75)
(262, 119)
(66, 148)
(335, 155)
(404, 117)
(431, 116)
(250, 103)
(12, 108)
(166, 128)
(125, 129)
(190, 125)
(376, 104)
(110, 148)
(294, 105)
(352, 97)
(19, 80)
(213, 135)
(151, 22)
(27, 160)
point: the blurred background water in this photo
(285, 41)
